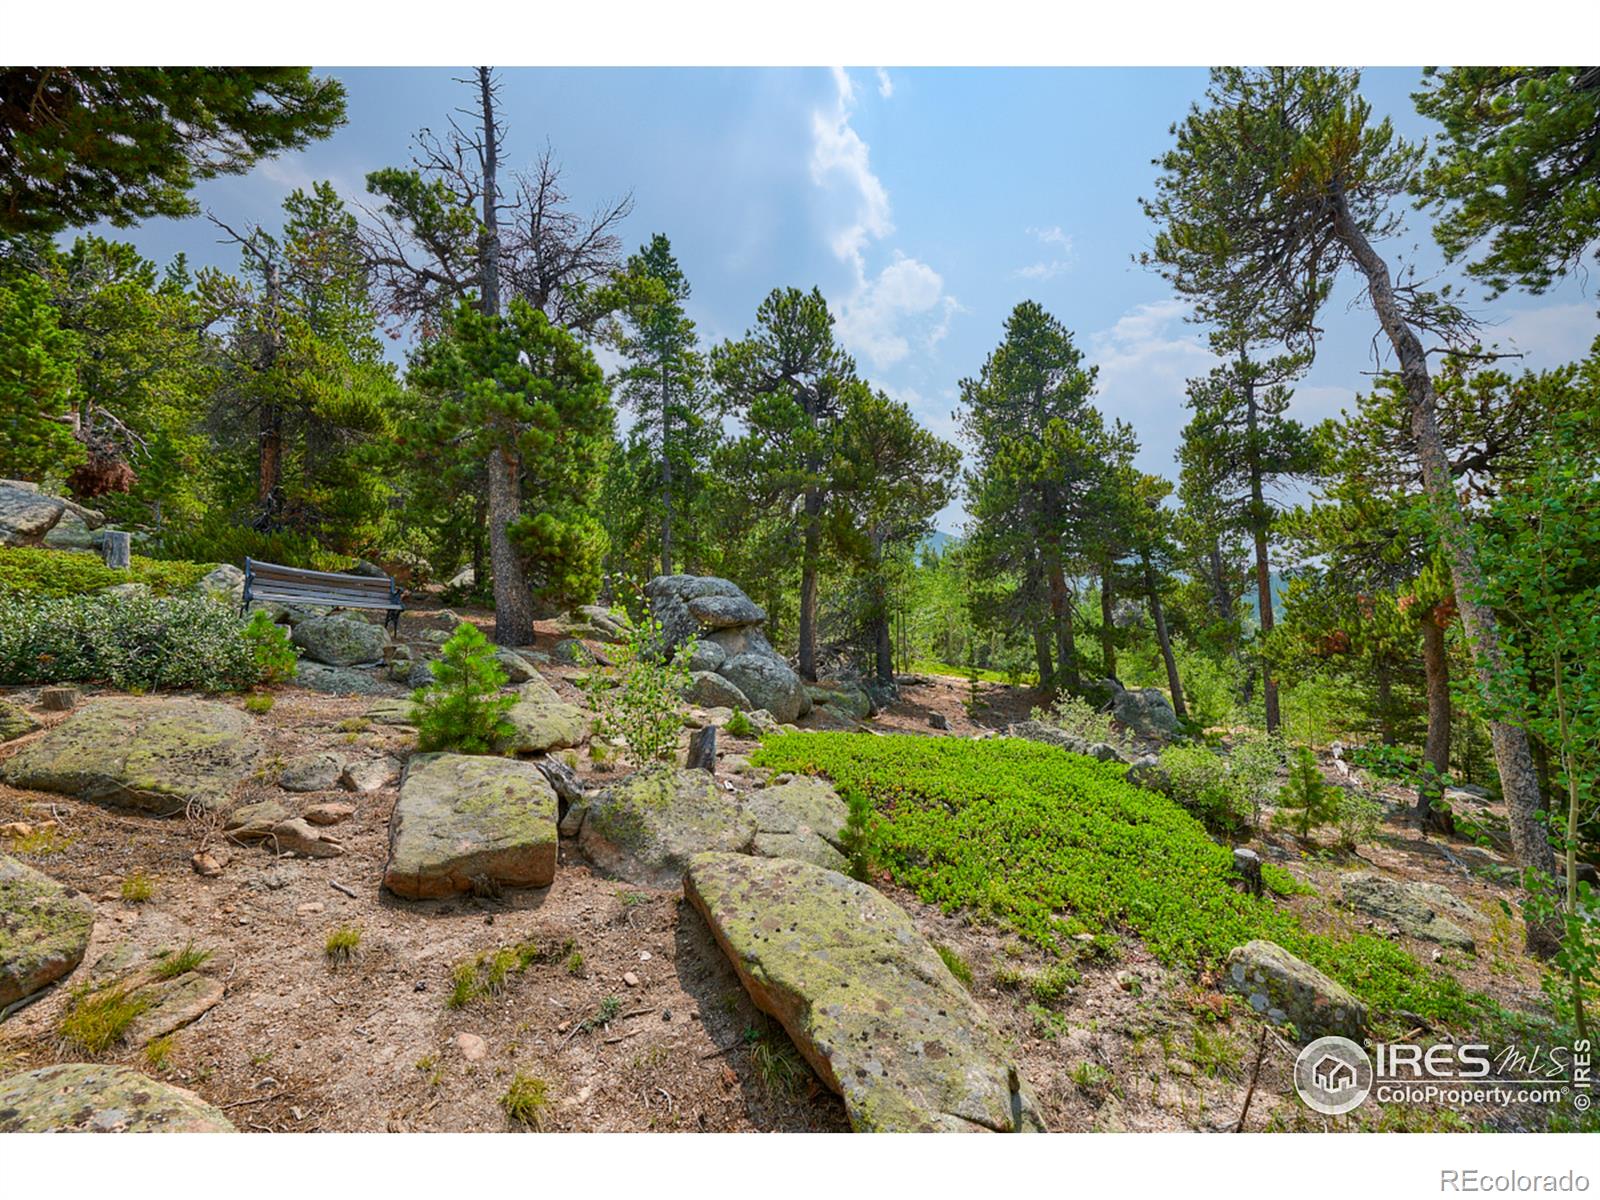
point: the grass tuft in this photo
(97, 1021)
(138, 888)
(341, 944)
(956, 964)
(526, 1101)
(181, 962)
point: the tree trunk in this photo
(1386, 730)
(1518, 782)
(1108, 629)
(1041, 655)
(1061, 620)
(808, 587)
(269, 475)
(1160, 618)
(1258, 529)
(1436, 746)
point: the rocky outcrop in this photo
(1145, 713)
(29, 517)
(646, 827)
(340, 681)
(467, 823)
(225, 584)
(595, 623)
(732, 645)
(340, 641)
(154, 755)
(544, 725)
(15, 721)
(799, 818)
(44, 930)
(1288, 991)
(1420, 910)
(1054, 735)
(710, 690)
(864, 997)
(102, 1098)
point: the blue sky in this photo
(924, 202)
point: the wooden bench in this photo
(294, 585)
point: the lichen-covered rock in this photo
(15, 721)
(863, 996)
(28, 516)
(464, 821)
(536, 687)
(225, 585)
(102, 1098)
(172, 1004)
(847, 699)
(799, 818)
(710, 690)
(669, 597)
(154, 755)
(726, 611)
(342, 681)
(707, 656)
(517, 668)
(1050, 735)
(545, 725)
(1416, 909)
(646, 827)
(1287, 990)
(573, 653)
(311, 772)
(370, 774)
(396, 710)
(253, 822)
(44, 930)
(1145, 712)
(769, 683)
(340, 641)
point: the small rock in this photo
(370, 775)
(311, 773)
(310, 908)
(473, 1048)
(629, 978)
(300, 837)
(205, 865)
(16, 829)
(644, 956)
(329, 814)
(58, 699)
(939, 721)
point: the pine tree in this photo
(37, 360)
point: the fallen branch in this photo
(345, 888)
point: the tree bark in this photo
(1520, 785)
(808, 587)
(1436, 746)
(1258, 529)
(1164, 641)
(1061, 620)
(269, 477)
(1108, 629)
(1041, 655)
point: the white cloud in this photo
(885, 84)
(1060, 260)
(1145, 359)
(1548, 337)
(885, 316)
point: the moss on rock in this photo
(646, 827)
(44, 930)
(102, 1098)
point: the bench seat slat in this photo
(329, 589)
(266, 568)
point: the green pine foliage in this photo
(1307, 802)
(36, 375)
(856, 838)
(462, 709)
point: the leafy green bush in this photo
(1051, 844)
(28, 571)
(461, 709)
(639, 700)
(1356, 818)
(1253, 772)
(1306, 801)
(137, 643)
(1198, 779)
(273, 650)
(1079, 718)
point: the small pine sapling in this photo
(1306, 801)
(855, 839)
(461, 709)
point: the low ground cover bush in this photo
(136, 643)
(1051, 844)
(31, 572)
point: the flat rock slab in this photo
(863, 996)
(463, 821)
(173, 1003)
(102, 1098)
(645, 828)
(44, 930)
(1421, 910)
(341, 681)
(396, 711)
(152, 755)
(1286, 989)
(312, 772)
(545, 725)
(800, 818)
(15, 721)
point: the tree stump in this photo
(1248, 864)
(703, 750)
(117, 549)
(58, 699)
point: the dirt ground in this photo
(298, 1043)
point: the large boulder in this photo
(864, 997)
(541, 726)
(15, 721)
(1145, 712)
(1419, 910)
(669, 597)
(726, 611)
(225, 584)
(799, 818)
(848, 699)
(155, 755)
(710, 690)
(1287, 990)
(29, 516)
(341, 681)
(769, 683)
(102, 1098)
(340, 641)
(646, 827)
(44, 930)
(469, 822)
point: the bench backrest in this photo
(270, 581)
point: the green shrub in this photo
(136, 643)
(461, 709)
(1051, 844)
(526, 1100)
(273, 650)
(1079, 718)
(218, 538)
(28, 571)
(739, 725)
(1253, 772)
(1306, 802)
(1198, 779)
(639, 702)
(1357, 818)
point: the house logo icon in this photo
(1333, 1075)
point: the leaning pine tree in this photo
(1278, 181)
